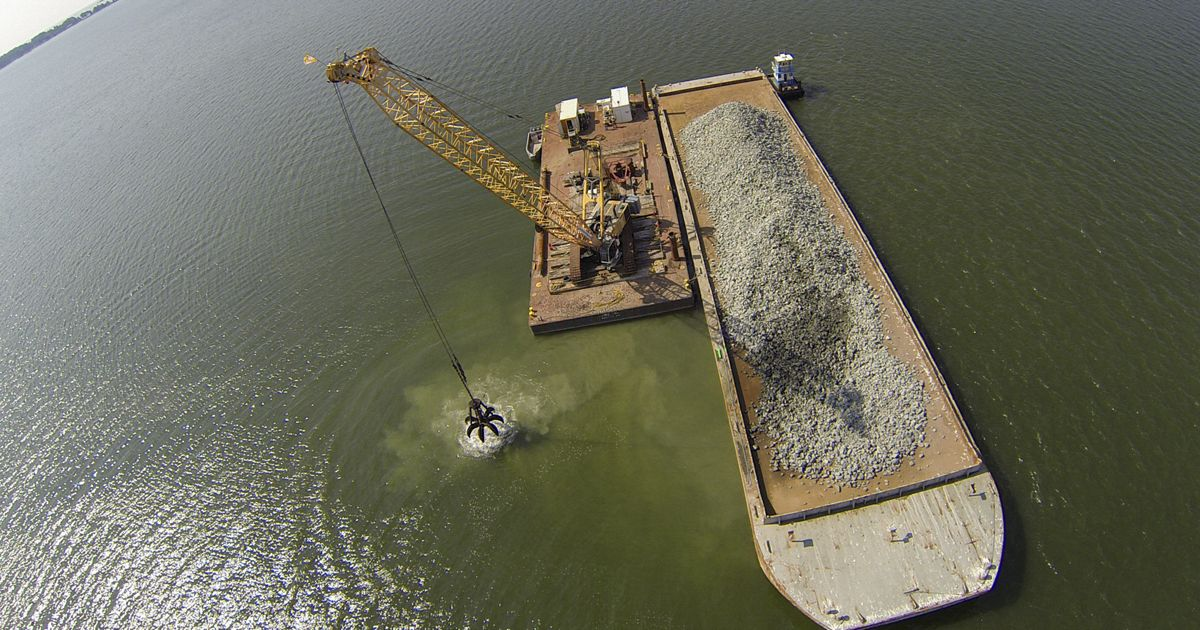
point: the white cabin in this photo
(622, 113)
(781, 69)
(568, 117)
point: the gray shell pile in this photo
(835, 404)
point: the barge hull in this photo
(926, 537)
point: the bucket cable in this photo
(437, 325)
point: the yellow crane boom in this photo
(430, 121)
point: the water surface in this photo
(220, 402)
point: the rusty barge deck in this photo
(927, 536)
(659, 280)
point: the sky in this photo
(20, 20)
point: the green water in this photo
(220, 402)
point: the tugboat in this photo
(783, 78)
(533, 143)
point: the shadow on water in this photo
(814, 91)
(691, 318)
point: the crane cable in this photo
(421, 77)
(437, 325)
(424, 78)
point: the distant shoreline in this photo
(50, 33)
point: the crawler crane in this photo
(427, 119)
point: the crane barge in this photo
(599, 253)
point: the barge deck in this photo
(927, 536)
(660, 281)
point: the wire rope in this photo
(437, 325)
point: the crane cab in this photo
(783, 77)
(568, 120)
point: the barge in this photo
(927, 536)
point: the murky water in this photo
(220, 402)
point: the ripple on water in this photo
(148, 489)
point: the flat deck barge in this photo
(926, 536)
(659, 282)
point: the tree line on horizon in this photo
(48, 34)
